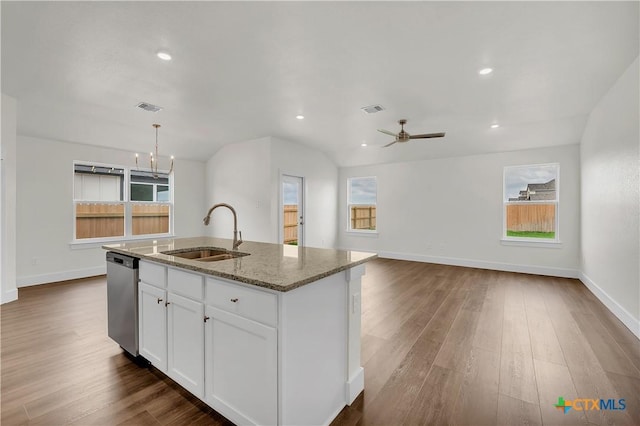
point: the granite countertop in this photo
(274, 266)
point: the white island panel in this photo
(313, 347)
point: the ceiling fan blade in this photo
(427, 135)
(389, 144)
(386, 132)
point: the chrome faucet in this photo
(207, 218)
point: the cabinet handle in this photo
(167, 303)
(159, 300)
(234, 300)
(206, 318)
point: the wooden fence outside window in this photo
(363, 217)
(96, 220)
(531, 217)
(291, 224)
(150, 219)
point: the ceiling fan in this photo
(405, 137)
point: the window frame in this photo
(128, 213)
(350, 205)
(532, 241)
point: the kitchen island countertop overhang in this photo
(274, 266)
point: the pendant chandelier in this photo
(153, 162)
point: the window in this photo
(98, 193)
(362, 194)
(105, 210)
(531, 195)
(149, 202)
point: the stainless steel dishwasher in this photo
(122, 300)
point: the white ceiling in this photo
(243, 70)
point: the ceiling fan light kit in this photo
(403, 136)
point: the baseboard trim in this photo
(481, 264)
(9, 296)
(633, 324)
(333, 416)
(60, 276)
(355, 386)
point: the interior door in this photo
(292, 210)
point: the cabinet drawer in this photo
(154, 274)
(186, 284)
(253, 304)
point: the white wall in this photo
(450, 211)
(611, 202)
(247, 176)
(45, 208)
(8, 201)
(189, 201)
(239, 175)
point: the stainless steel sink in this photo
(205, 254)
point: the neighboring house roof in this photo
(542, 191)
(548, 186)
(538, 191)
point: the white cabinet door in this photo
(241, 368)
(152, 317)
(185, 339)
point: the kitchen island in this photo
(267, 334)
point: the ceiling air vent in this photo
(148, 107)
(372, 109)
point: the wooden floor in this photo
(440, 345)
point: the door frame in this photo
(301, 207)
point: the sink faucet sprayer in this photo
(207, 218)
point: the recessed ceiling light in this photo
(363, 144)
(485, 71)
(300, 117)
(163, 55)
(495, 125)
